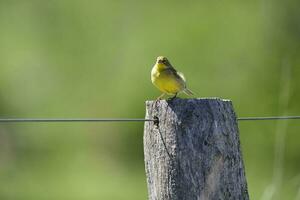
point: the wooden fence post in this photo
(193, 152)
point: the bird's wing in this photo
(178, 75)
(181, 75)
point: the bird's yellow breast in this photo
(165, 81)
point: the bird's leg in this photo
(160, 97)
(172, 98)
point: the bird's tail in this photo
(188, 92)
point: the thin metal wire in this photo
(17, 120)
(11, 120)
(267, 118)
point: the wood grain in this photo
(193, 152)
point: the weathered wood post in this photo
(193, 152)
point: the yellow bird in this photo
(165, 77)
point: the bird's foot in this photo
(172, 98)
(160, 97)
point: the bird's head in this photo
(163, 61)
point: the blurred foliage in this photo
(62, 58)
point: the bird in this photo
(167, 79)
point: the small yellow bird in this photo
(165, 77)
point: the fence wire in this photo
(44, 120)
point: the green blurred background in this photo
(61, 58)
